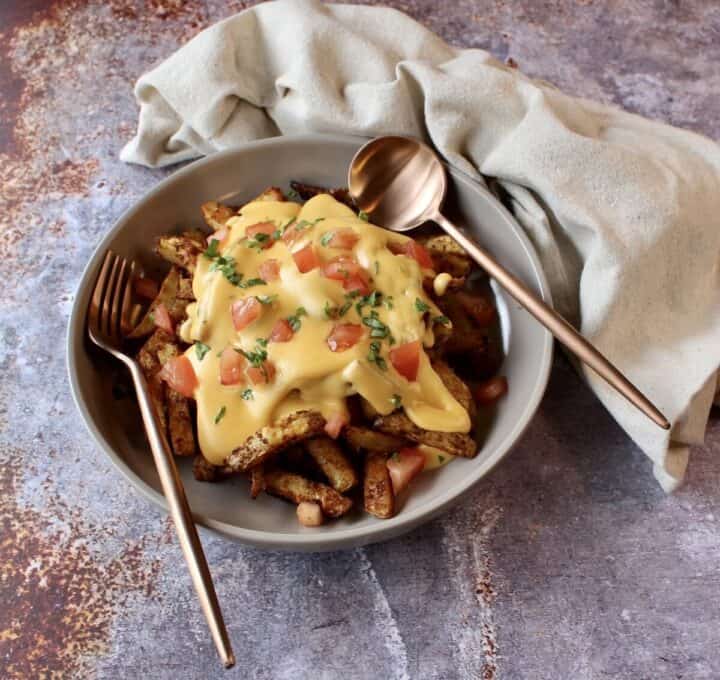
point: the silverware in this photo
(108, 320)
(400, 183)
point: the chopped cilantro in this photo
(294, 320)
(212, 250)
(257, 356)
(266, 299)
(220, 415)
(441, 459)
(343, 310)
(258, 241)
(363, 216)
(247, 394)
(293, 195)
(201, 349)
(374, 357)
(377, 328)
(441, 319)
(253, 282)
(226, 266)
(421, 306)
(388, 302)
(396, 400)
(327, 237)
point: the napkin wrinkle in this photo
(624, 212)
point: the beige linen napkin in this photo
(624, 212)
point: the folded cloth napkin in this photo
(624, 212)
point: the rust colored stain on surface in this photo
(58, 599)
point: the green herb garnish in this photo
(388, 302)
(326, 238)
(212, 250)
(374, 357)
(363, 216)
(294, 320)
(421, 306)
(247, 394)
(266, 299)
(377, 328)
(293, 195)
(226, 266)
(258, 241)
(441, 459)
(220, 415)
(201, 349)
(396, 400)
(441, 319)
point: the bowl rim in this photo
(342, 538)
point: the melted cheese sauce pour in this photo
(309, 375)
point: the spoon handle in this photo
(558, 326)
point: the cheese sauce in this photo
(308, 374)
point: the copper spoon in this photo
(400, 183)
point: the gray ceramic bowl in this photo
(268, 522)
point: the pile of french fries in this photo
(294, 458)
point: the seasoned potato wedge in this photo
(449, 257)
(455, 443)
(307, 191)
(270, 194)
(455, 386)
(267, 441)
(167, 296)
(378, 494)
(333, 463)
(180, 427)
(216, 214)
(182, 250)
(257, 481)
(298, 489)
(366, 439)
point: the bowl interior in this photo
(245, 172)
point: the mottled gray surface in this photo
(567, 562)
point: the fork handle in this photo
(180, 511)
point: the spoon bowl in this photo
(399, 181)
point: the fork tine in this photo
(94, 316)
(118, 294)
(125, 324)
(106, 310)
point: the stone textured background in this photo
(567, 562)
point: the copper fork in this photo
(108, 319)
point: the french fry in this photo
(332, 462)
(378, 494)
(297, 489)
(182, 250)
(365, 439)
(216, 214)
(270, 194)
(167, 296)
(455, 386)
(307, 191)
(455, 443)
(182, 438)
(449, 257)
(257, 481)
(267, 441)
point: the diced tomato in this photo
(335, 424)
(406, 359)
(417, 252)
(261, 375)
(220, 235)
(344, 238)
(480, 309)
(342, 268)
(269, 270)
(245, 311)
(344, 336)
(267, 228)
(232, 366)
(491, 390)
(146, 288)
(291, 234)
(178, 372)
(357, 284)
(306, 259)
(162, 318)
(404, 466)
(282, 331)
(414, 250)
